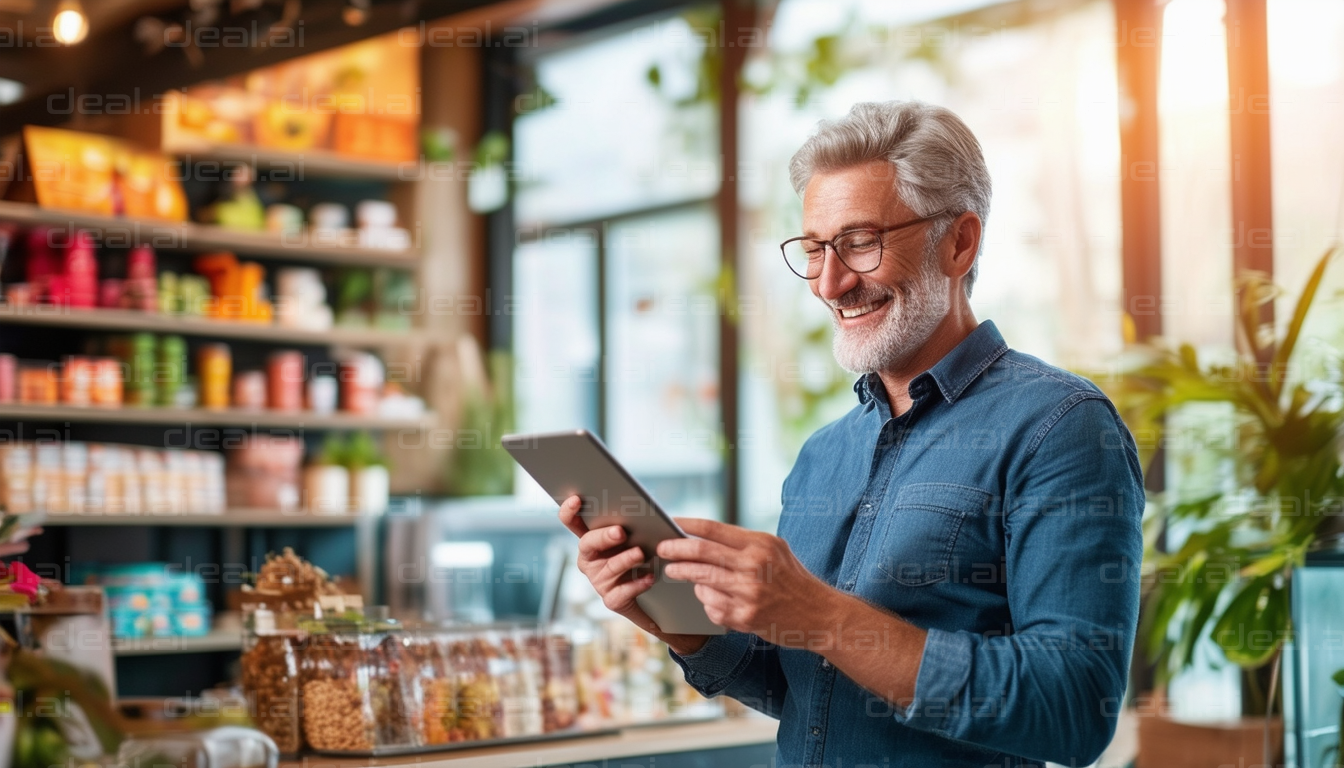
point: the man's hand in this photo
(749, 581)
(609, 565)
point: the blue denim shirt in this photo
(1001, 513)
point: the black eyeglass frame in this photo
(881, 245)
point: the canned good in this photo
(170, 373)
(9, 373)
(249, 390)
(106, 389)
(137, 355)
(284, 381)
(77, 381)
(215, 368)
(361, 383)
(38, 385)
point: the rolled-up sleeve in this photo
(741, 666)
(1052, 688)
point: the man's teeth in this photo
(856, 311)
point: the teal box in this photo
(193, 621)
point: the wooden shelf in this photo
(311, 163)
(217, 640)
(233, 518)
(185, 236)
(129, 320)
(201, 417)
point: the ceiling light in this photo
(10, 91)
(69, 25)
(356, 12)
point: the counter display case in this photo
(1313, 664)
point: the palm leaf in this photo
(1285, 350)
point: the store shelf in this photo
(233, 518)
(312, 163)
(217, 640)
(201, 417)
(185, 236)
(129, 320)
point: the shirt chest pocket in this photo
(919, 533)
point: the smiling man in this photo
(955, 576)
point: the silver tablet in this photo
(577, 463)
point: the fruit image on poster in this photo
(99, 174)
(360, 100)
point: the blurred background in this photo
(280, 274)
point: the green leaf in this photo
(1189, 358)
(1285, 350)
(1338, 677)
(1254, 624)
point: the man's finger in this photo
(619, 565)
(622, 596)
(698, 550)
(599, 540)
(702, 573)
(731, 535)
(569, 516)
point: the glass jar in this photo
(336, 712)
(356, 696)
(390, 693)
(559, 695)
(477, 710)
(432, 686)
(523, 709)
(270, 673)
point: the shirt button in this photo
(816, 731)
(825, 663)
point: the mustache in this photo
(859, 296)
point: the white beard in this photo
(912, 316)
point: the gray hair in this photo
(937, 159)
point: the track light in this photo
(70, 25)
(356, 12)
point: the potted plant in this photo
(369, 476)
(326, 481)
(1228, 580)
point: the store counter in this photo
(732, 742)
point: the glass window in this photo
(1306, 68)
(611, 142)
(662, 365)
(1194, 153)
(555, 338)
(618, 324)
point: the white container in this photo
(328, 217)
(369, 490)
(322, 394)
(376, 214)
(326, 489)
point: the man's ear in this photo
(965, 234)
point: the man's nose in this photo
(836, 278)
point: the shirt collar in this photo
(954, 373)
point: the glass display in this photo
(1313, 664)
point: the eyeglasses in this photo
(859, 249)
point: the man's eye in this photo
(863, 241)
(814, 250)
